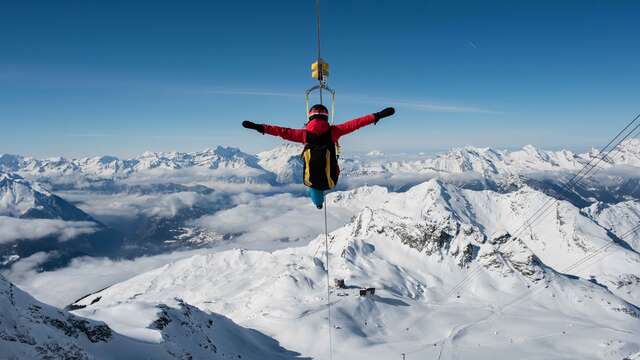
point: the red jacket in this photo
(318, 127)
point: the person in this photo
(321, 169)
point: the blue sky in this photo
(119, 77)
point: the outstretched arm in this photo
(295, 135)
(355, 124)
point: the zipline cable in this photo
(575, 265)
(636, 135)
(610, 142)
(543, 210)
(326, 248)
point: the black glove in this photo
(257, 127)
(384, 113)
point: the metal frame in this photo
(320, 88)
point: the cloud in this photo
(416, 105)
(77, 79)
(138, 136)
(622, 171)
(156, 205)
(403, 180)
(242, 92)
(432, 107)
(30, 263)
(83, 276)
(198, 175)
(272, 222)
(31, 229)
(95, 135)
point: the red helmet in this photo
(318, 111)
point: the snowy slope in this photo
(413, 248)
(32, 330)
(622, 219)
(560, 237)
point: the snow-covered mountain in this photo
(490, 162)
(34, 220)
(30, 329)
(283, 165)
(456, 272)
(22, 199)
(284, 161)
(413, 248)
(375, 153)
(223, 163)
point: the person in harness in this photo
(320, 158)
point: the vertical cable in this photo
(326, 249)
(326, 227)
(318, 27)
(320, 69)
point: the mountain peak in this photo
(283, 160)
(23, 199)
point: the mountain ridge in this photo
(282, 164)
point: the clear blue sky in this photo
(120, 77)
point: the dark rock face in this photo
(75, 326)
(55, 207)
(55, 351)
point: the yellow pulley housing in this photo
(319, 70)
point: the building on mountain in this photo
(367, 292)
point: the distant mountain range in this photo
(224, 163)
(283, 164)
(491, 162)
